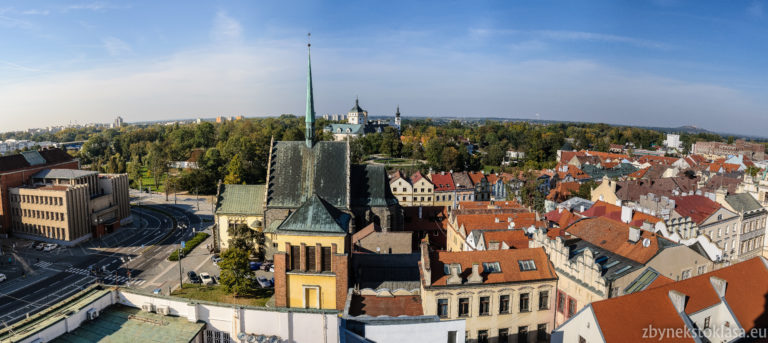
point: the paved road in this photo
(141, 249)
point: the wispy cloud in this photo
(563, 35)
(115, 46)
(17, 67)
(755, 9)
(11, 22)
(35, 12)
(226, 28)
(96, 6)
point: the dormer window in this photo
(447, 268)
(526, 265)
(491, 267)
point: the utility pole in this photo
(166, 187)
(197, 200)
(141, 190)
(181, 282)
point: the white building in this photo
(673, 141)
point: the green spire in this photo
(310, 116)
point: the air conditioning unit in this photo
(164, 310)
(147, 307)
(92, 314)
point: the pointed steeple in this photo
(310, 115)
(397, 113)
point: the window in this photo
(719, 232)
(485, 306)
(503, 336)
(295, 257)
(525, 302)
(326, 259)
(571, 307)
(482, 336)
(686, 274)
(451, 336)
(541, 332)
(719, 217)
(311, 265)
(706, 323)
(522, 334)
(526, 265)
(504, 303)
(491, 267)
(463, 307)
(582, 340)
(543, 300)
(561, 302)
(701, 270)
(442, 308)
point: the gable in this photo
(726, 215)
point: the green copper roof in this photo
(240, 199)
(743, 202)
(316, 216)
(310, 114)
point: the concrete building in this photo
(503, 295)
(15, 170)
(714, 150)
(673, 141)
(752, 219)
(69, 206)
(465, 189)
(482, 187)
(725, 305)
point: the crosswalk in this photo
(78, 271)
(114, 279)
(43, 264)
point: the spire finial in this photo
(309, 134)
(309, 40)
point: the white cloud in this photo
(226, 28)
(562, 35)
(755, 9)
(96, 6)
(35, 12)
(115, 46)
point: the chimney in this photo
(451, 171)
(475, 276)
(678, 300)
(425, 263)
(509, 219)
(719, 285)
(626, 214)
(454, 279)
(442, 172)
(496, 220)
(618, 202)
(634, 234)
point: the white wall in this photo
(417, 332)
(583, 324)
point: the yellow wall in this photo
(326, 283)
(325, 241)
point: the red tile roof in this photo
(622, 319)
(477, 177)
(515, 239)
(561, 217)
(698, 207)
(442, 182)
(399, 305)
(604, 209)
(416, 177)
(472, 222)
(563, 191)
(639, 173)
(613, 236)
(507, 258)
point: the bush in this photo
(191, 244)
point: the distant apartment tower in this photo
(673, 141)
(68, 206)
(118, 123)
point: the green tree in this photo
(235, 271)
(157, 162)
(235, 169)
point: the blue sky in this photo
(655, 62)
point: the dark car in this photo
(193, 278)
(264, 282)
(255, 265)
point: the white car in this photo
(50, 246)
(206, 278)
(2, 277)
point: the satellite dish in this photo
(646, 242)
(242, 336)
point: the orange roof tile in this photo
(507, 259)
(613, 236)
(399, 305)
(622, 319)
(515, 239)
(604, 209)
(442, 182)
(563, 191)
(698, 207)
(477, 177)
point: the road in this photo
(134, 256)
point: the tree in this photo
(585, 190)
(235, 271)
(235, 170)
(157, 162)
(243, 237)
(134, 170)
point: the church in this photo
(358, 124)
(315, 199)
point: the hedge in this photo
(191, 244)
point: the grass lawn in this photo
(216, 293)
(148, 181)
(487, 169)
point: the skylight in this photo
(526, 265)
(622, 269)
(609, 265)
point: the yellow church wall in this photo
(298, 284)
(325, 241)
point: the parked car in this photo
(266, 266)
(206, 279)
(264, 282)
(255, 265)
(2, 277)
(50, 247)
(157, 291)
(193, 278)
(216, 259)
(40, 246)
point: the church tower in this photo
(397, 118)
(357, 115)
(309, 120)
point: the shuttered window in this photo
(326, 259)
(295, 257)
(311, 265)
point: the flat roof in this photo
(62, 174)
(120, 323)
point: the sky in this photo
(639, 62)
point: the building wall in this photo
(605, 191)
(61, 215)
(415, 332)
(494, 321)
(403, 191)
(681, 262)
(444, 198)
(224, 221)
(17, 178)
(423, 193)
(583, 325)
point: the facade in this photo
(357, 115)
(69, 206)
(239, 205)
(708, 218)
(465, 189)
(673, 141)
(751, 229)
(753, 151)
(401, 188)
(423, 190)
(724, 305)
(503, 295)
(482, 187)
